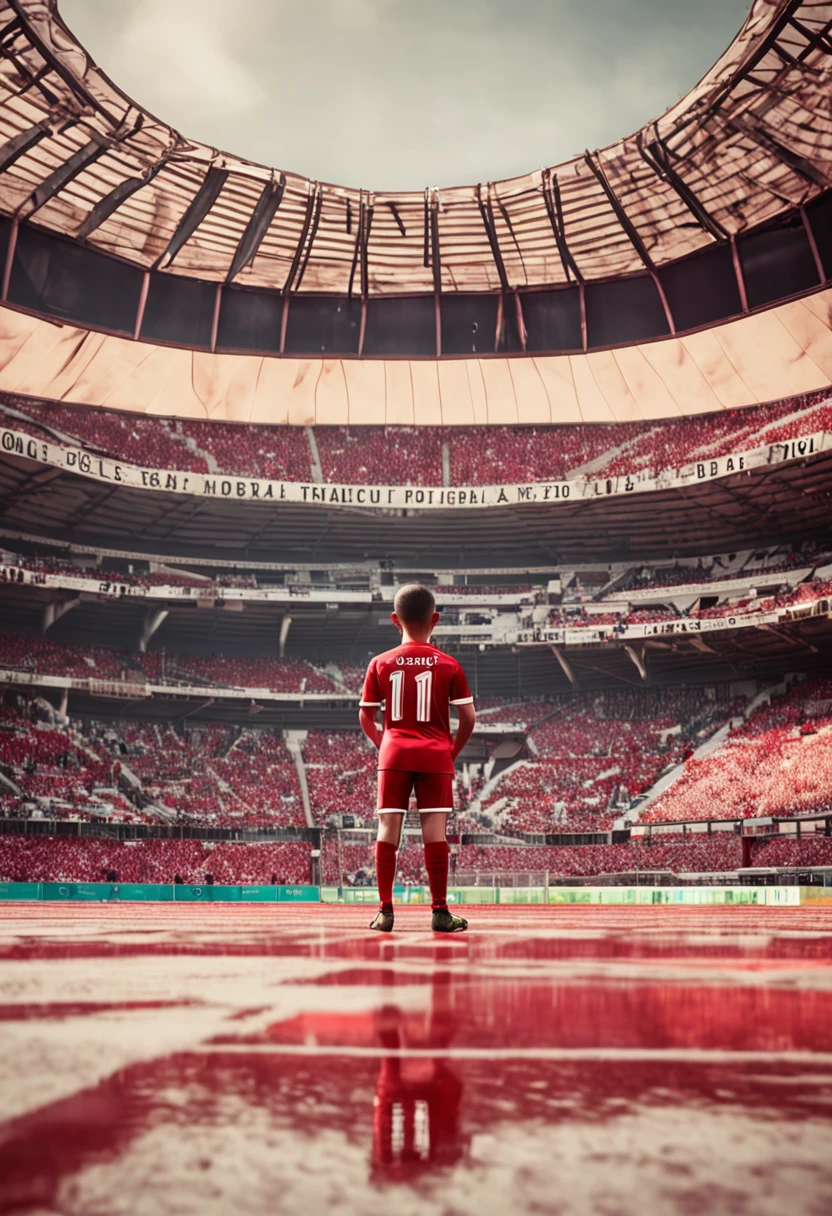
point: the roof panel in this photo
(748, 142)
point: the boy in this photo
(418, 682)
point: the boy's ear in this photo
(394, 617)
(434, 620)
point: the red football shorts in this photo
(434, 791)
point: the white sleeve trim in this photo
(463, 701)
(371, 704)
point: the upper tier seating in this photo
(399, 455)
(29, 652)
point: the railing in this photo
(155, 831)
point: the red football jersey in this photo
(417, 682)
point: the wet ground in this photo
(230, 1059)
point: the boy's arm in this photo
(367, 721)
(467, 718)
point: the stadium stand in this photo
(587, 762)
(778, 762)
(413, 455)
(73, 859)
(26, 652)
(341, 774)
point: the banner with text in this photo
(254, 489)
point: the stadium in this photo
(591, 409)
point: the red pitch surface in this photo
(222, 1059)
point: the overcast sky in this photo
(389, 94)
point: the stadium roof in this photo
(749, 143)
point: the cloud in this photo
(392, 95)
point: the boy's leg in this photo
(434, 795)
(437, 853)
(387, 843)
(393, 796)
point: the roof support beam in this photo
(313, 232)
(656, 155)
(153, 618)
(87, 99)
(257, 226)
(436, 265)
(631, 231)
(62, 176)
(307, 220)
(814, 38)
(638, 660)
(21, 144)
(487, 214)
(799, 165)
(105, 207)
(753, 59)
(554, 209)
(55, 609)
(200, 205)
(566, 667)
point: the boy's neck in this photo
(420, 637)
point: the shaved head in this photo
(414, 604)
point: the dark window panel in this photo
(400, 326)
(179, 311)
(323, 325)
(66, 280)
(776, 263)
(469, 323)
(819, 214)
(627, 311)
(702, 289)
(250, 320)
(553, 319)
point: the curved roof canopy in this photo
(750, 143)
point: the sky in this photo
(389, 95)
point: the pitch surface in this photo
(242, 1060)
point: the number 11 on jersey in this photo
(424, 687)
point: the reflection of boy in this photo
(417, 683)
(416, 1107)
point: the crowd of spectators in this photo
(277, 675)
(392, 455)
(778, 763)
(586, 763)
(400, 455)
(814, 850)
(341, 775)
(245, 450)
(519, 713)
(696, 853)
(41, 655)
(87, 859)
(133, 438)
(59, 773)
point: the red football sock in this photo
(437, 853)
(385, 872)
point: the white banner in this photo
(249, 489)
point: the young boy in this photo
(417, 751)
